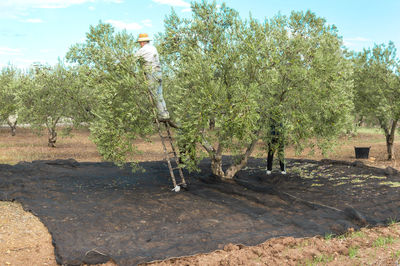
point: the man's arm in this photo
(139, 53)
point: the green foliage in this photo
(44, 99)
(245, 75)
(115, 79)
(377, 89)
(203, 61)
(306, 80)
(238, 75)
(10, 83)
(377, 82)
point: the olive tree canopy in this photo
(241, 75)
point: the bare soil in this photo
(25, 241)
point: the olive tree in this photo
(203, 60)
(120, 107)
(377, 89)
(240, 75)
(10, 82)
(304, 80)
(45, 100)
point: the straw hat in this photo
(144, 37)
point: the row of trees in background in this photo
(43, 97)
(239, 76)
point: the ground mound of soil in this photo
(96, 212)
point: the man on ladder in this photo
(153, 74)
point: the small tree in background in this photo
(44, 100)
(10, 83)
(377, 89)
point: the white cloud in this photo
(24, 63)
(147, 23)
(187, 10)
(27, 4)
(45, 51)
(356, 43)
(9, 51)
(34, 20)
(124, 25)
(91, 8)
(15, 8)
(179, 3)
(358, 39)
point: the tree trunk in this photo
(389, 148)
(212, 124)
(233, 169)
(216, 159)
(13, 127)
(216, 166)
(52, 138)
(389, 134)
(51, 125)
(216, 163)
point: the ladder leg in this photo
(174, 151)
(171, 172)
(176, 155)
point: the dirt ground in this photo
(25, 241)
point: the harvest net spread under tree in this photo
(96, 211)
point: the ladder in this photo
(172, 156)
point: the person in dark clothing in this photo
(276, 144)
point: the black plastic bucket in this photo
(362, 152)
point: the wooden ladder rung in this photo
(174, 152)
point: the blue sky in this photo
(43, 30)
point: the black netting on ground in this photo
(96, 211)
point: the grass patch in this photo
(353, 252)
(392, 221)
(369, 130)
(318, 259)
(383, 241)
(396, 254)
(323, 258)
(357, 234)
(329, 236)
